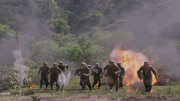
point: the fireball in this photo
(131, 61)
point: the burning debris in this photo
(32, 86)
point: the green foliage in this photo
(8, 78)
(46, 50)
(61, 26)
(5, 30)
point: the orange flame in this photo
(97, 84)
(131, 61)
(32, 86)
(131, 90)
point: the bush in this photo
(7, 78)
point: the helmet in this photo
(111, 61)
(83, 64)
(97, 63)
(61, 62)
(45, 63)
(146, 63)
(118, 63)
(55, 64)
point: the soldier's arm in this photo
(139, 72)
(49, 71)
(39, 70)
(105, 68)
(101, 73)
(77, 71)
(123, 72)
(118, 71)
(67, 67)
(89, 73)
(154, 72)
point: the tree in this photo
(45, 50)
(61, 26)
(5, 30)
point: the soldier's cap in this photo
(83, 63)
(146, 63)
(89, 65)
(111, 61)
(45, 63)
(55, 64)
(61, 62)
(119, 63)
(97, 63)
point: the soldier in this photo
(84, 73)
(97, 73)
(62, 66)
(145, 73)
(113, 73)
(44, 70)
(54, 76)
(121, 77)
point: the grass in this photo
(73, 89)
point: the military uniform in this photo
(113, 72)
(121, 77)
(54, 76)
(43, 70)
(84, 73)
(97, 71)
(145, 74)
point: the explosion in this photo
(131, 61)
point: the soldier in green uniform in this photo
(84, 73)
(62, 66)
(97, 75)
(121, 77)
(145, 73)
(54, 71)
(113, 73)
(44, 70)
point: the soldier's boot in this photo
(99, 84)
(89, 85)
(94, 83)
(149, 88)
(57, 87)
(41, 83)
(111, 86)
(117, 87)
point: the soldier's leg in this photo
(57, 86)
(149, 84)
(145, 85)
(89, 85)
(46, 82)
(95, 82)
(99, 83)
(110, 83)
(41, 82)
(116, 82)
(82, 83)
(51, 83)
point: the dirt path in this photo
(87, 98)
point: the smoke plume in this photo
(20, 67)
(63, 79)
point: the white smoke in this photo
(63, 79)
(20, 67)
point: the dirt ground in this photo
(46, 97)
